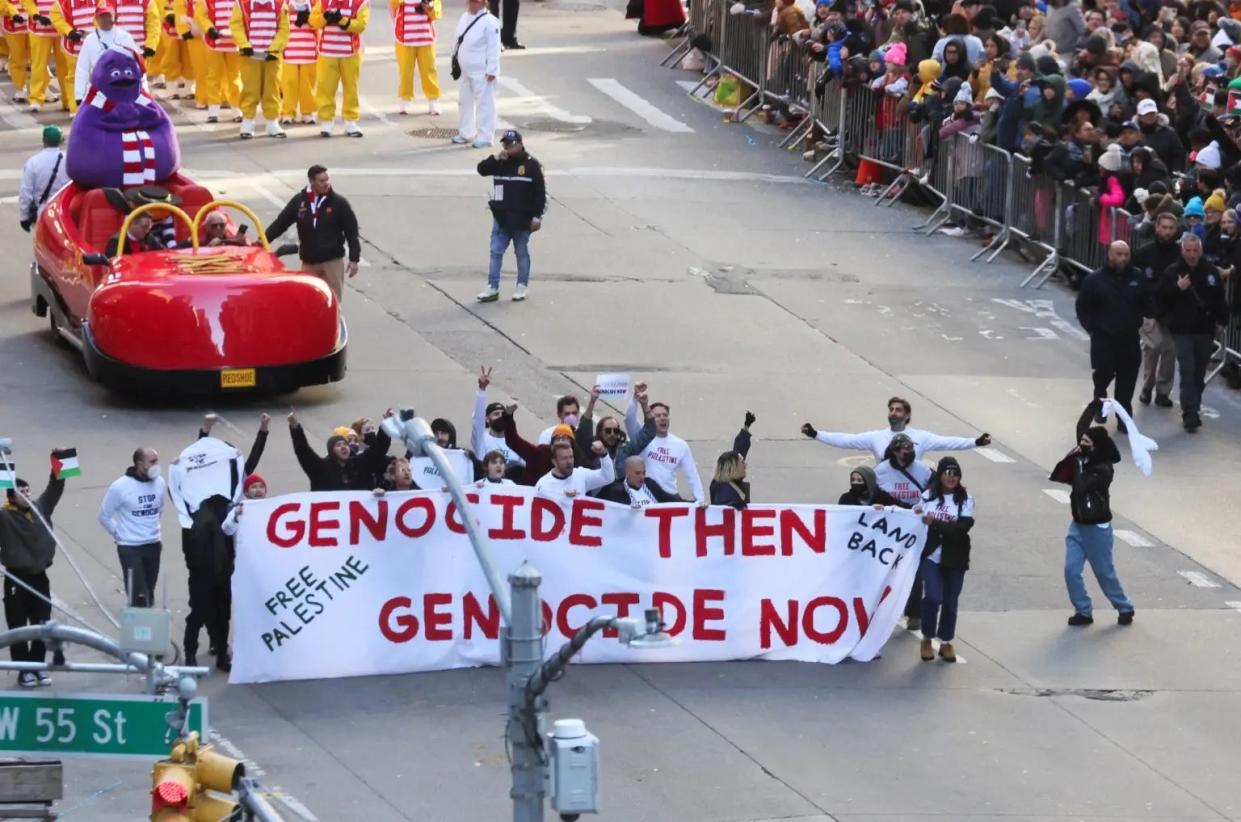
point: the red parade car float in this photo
(190, 319)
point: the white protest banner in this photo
(613, 386)
(349, 584)
(427, 476)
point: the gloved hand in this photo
(271, 58)
(43, 20)
(213, 33)
(983, 440)
(74, 36)
(170, 19)
(188, 35)
(17, 19)
(303, 17)
(332, 16)
(26, 226)
(749, 419)
(148, 52)
(808, 430)
(247, 52)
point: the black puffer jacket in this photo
(1089, 474)
(25, 545)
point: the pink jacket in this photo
(1112, 197)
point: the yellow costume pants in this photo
(260, 85)
(4, 48)
(67, 81)
(297, 85)
(343, 72)
(423, 57)
(173, 60)
(198, 66)
(43, 50)
(19, 53)
(223, 69)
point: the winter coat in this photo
(736, 493)
(25, 545)
(1090, 475)
(361, 472)
(1113, 303)
(1197, 309)
(953, 540)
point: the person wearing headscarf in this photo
(948, 511)
(1088, 470)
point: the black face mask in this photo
(354, 449)
(894, 420)
(369, 438)
(858, 489)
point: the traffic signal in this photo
(188, 785)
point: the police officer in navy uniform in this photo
(518, 200)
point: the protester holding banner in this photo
(1088, 469)
(130, 514)
(634, 488)
(864, 490)
(564, 481)
(948, 511)
(340, 469)
(905, 478)
(487, 427)
(729, 487)
(899, 413)
(398, 476)
(253, 487)
(495, 470)
(27, 549)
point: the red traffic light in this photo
(170, 794)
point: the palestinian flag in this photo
(8, 473)
(65, 464)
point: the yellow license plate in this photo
(238, 378)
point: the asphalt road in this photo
(692, 252)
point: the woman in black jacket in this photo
(948, 511)
(864, 489)
(728, 486)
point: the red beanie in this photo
(250, 480)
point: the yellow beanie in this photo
(343, 431)
(1216, 201)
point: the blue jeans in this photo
(500, 238)
(941, 590)
(1090, 543)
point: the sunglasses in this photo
(952, 472)
(609, 430)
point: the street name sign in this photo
(92, 724)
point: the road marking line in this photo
(993, 455)
(376, 113)
(639, 105)
(539, 102)
(1133, 538)
(1199, 579)
(1057, 494)
(1234, 605)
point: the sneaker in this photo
(947, 653)
(352, 129)
(1125, 618)
(1145, 396)
(45, 679)
(20, 96)
(310, 119)
(191, 660)
(27, 679)
(404, 108)
(481, 143)
(514, 44)
(1163, 401)
(34, 108)
(459, 140)
(433, 108)
(213, 114)
(224, 662)
(1192, 422)
(237, 118)
(927, 651)
(913, 624)
(247, 129)
(489, 295)
(520, 294)
(326, 129)
(1078, 620)
(274, 130)
(286, 121)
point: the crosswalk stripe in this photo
(1133, 538)
(993, 455)
(639, 105)
(1057, 494)
(539, 102)
(1199, 579)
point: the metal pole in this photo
(423, 437)
(524, 659)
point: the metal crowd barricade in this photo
(828, 113)
(1228, 341)
(1034, 217)
(1083, 240)
(701, 12)
(743, 51)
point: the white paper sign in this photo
(348, 584)
(613, 386)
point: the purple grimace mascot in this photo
(120, 136)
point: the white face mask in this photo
(153, 472)
(570, 420)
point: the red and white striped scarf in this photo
(137, 148)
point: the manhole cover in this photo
(433, 133)
(554, 125)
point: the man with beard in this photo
(877, 442)
(903, 477)
(487, 428)
(1111, 305)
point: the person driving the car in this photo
(141, 236)
(217, 233)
